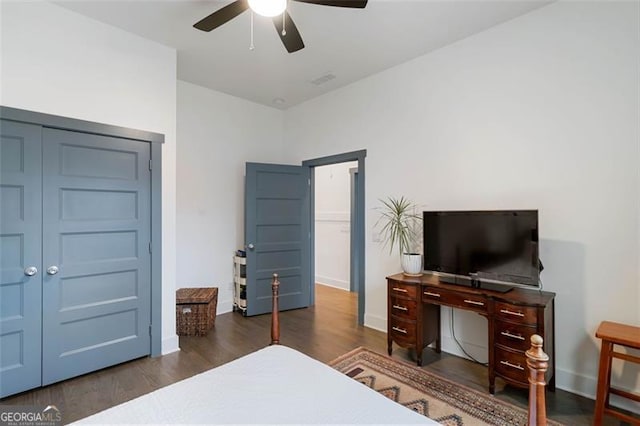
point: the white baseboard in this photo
(375, 322)
(576, 383)
(332, 282)
(625, 403)
(449, 345)
(224, 306)
(170, 344)
(586, 386)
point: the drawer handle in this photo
(508, 364)
(401, 308)
(401, 290)
(428, 293)
(400, 330)
(473, 302)
(513, 336)
(508, 312)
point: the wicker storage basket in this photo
(196, 310)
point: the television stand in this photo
(413, 321)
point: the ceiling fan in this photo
(275, 9)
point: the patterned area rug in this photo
(444, 401)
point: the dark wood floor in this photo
(323, 332)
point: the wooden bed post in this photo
(275, 313)
(537, 361)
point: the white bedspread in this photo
(275, 385)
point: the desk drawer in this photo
(512, 365)
(404, 308)
(402, 330)
(516, 313)
(403, 290)
(466, 301)
(515, 336)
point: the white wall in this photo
(539, 112)
(332, 224)
(58, 62)
(218, 133)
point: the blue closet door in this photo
(96, 238)
(20, 257)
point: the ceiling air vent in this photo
(323, 79)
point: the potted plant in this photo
(400, 228)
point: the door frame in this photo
(353, 220)
(155, 141)
(357, 252)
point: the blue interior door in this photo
(20, 257)
(277, 235)
(96, 238)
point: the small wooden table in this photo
(611, 334)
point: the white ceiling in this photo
(347, 43)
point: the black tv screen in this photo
(487, 245)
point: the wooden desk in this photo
(413, 321)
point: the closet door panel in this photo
(20, 250)
(96, 233)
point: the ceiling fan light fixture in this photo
(269, 8)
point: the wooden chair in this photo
(611, 334)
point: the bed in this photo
(270, 386)
(275, 385)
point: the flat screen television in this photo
(482, 248)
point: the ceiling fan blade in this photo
(292, 40)
(359, 4)
(222, 16)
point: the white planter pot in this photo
(412, 264)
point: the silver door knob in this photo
(30, 271)
(52, 270)
(250, 246)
